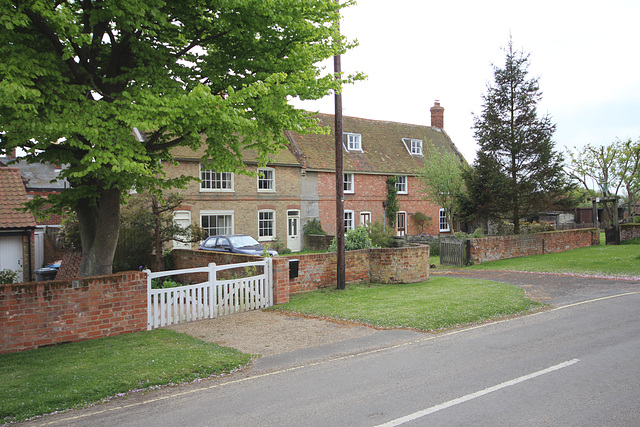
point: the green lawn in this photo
(604, 260)
(57, 378)
(440, 302)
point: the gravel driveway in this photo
(269, 332)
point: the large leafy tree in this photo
(109, 87)
(519, 142)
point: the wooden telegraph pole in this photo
(340, 261)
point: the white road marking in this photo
(475, 395)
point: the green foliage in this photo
(285, 251)
(160, 283)
(392, 207)
(380, 235)
(169, 263)
(313, 227)
(8, 276)
(637, 220)
(355, 239)
(110, 88)
(525, 227)
(521, 169)
(57, 378)
(422, 221)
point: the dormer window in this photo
(414, 146)
(354, 141)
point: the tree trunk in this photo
(99, 223)
(157, 238)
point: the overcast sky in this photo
(586, 54)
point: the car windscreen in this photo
(240, 241)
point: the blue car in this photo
(237, 244)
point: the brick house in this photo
(266, 206)
(16, 227)
(373, 151)
(299, 184)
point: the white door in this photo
(293, 231)
(183, 219)
(11, 254)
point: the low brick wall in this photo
(40, 314)
(502, 247)
(317, 271)
(629, 231)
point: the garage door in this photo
(11, 254)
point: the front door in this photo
(293, 231)
(11, 254)
(182, 219)
(401, 223)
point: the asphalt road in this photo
(575, 364)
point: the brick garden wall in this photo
(316, 271)
(502, 247)
(629, 231)
(40, 314)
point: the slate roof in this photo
(13, 196)
(384, 151)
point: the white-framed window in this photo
(266, 180)
(216, 223)
(266, 224)
(365, 219)
(401, 184)
(444, 224)
(211, 180)
(354, 141)
(401, 224)
(413, 146)
(349, 183)
(349, 220)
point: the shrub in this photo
(422, 221)
(8, 277)
(313, 227)
(380, 237)
(355, 239)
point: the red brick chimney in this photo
(437, 116)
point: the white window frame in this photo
(414, 146)
(227, 230)
(353, 141)
(266, 237)
(349, 183)
(349, 224)
(268, 183)
(402, 187)
(226, 180)
(442, 221)
(365, 218)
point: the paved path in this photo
(555, 289)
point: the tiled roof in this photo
(382, 143)
(13, 196)
(282, 157)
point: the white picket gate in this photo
(208, 299)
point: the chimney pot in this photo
(437, 115)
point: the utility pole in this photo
(340, 259)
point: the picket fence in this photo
(209, 299)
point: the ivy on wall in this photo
(392, 207)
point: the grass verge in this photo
(439, 303)
(605, 260)
(57, 378)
